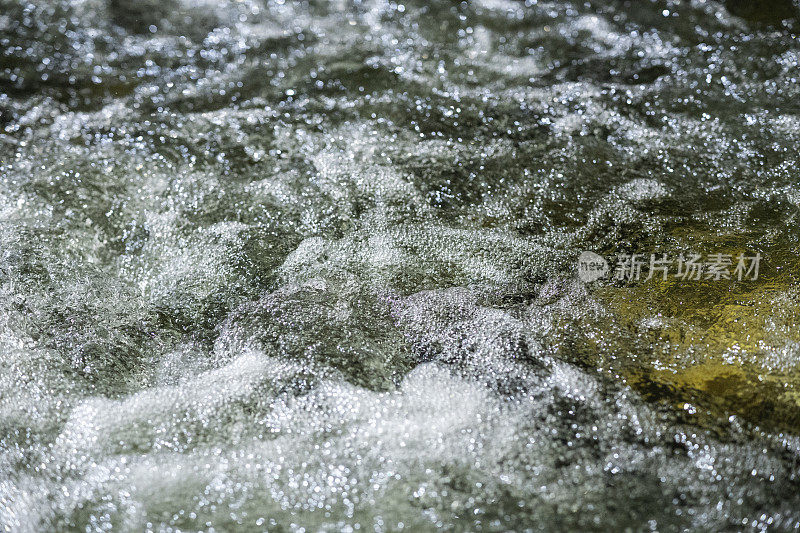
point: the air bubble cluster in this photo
(310, 266)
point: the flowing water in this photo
(286, 266)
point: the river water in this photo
(287, 266)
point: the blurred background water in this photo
(286, 266)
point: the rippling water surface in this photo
(285, 266)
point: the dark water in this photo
(311, 265)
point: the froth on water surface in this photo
(290, 266)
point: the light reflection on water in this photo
(286, 265)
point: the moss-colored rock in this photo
(713, 348)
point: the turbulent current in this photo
(270, 265)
